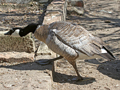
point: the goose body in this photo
(70, 41)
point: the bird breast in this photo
(42, 33)
(67, 40)
(60, 48)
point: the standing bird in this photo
(69, 41)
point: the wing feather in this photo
(77, 37)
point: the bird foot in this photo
(83, 79)
(47, 61)
(43, 62)
(77, 79)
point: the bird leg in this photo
(73, 63)
(46, 62)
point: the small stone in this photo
(117, 85)
(107, 21)
(107, 88)
(8, 85)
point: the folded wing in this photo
(77, 37)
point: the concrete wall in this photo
(8, 43)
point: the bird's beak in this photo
(7, 33)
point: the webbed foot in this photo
(83, 79)
(47, 61)
(43, 62)
(77, 79)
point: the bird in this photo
(70, 41)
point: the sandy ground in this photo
(101, 18)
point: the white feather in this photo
(16, 33)
(103, 51)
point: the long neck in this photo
(28, 29)
(31, 27)
(42, 33)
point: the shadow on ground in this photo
(110, 68)
(27, 66)
(63, 78)
(58, 77)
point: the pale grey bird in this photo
(69, 41)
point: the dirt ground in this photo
(101, 18)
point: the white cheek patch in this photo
(103, 51)
(16, 33)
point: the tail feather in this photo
(107, 54)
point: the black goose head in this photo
(20, 32)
